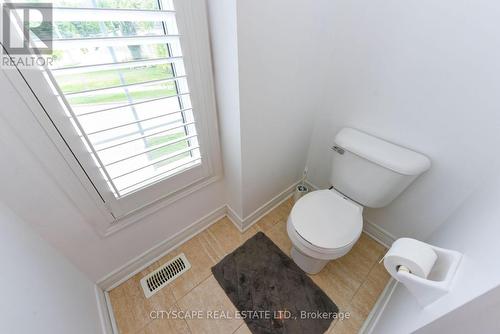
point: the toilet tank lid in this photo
(383, 153)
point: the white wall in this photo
(41, 291)
(224, 39)
(280, 80)
(268, 82)
(36, 192)
(423, 74)
(473, 230)
(480, 315)
(275, 118)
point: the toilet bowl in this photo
(366, 171)
(323, 225)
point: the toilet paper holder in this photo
(439, 281)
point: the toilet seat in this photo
(325, 222)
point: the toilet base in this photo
(309, 264)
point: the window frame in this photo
(193, 25)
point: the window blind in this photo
(119, 72)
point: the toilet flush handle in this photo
(338, 149)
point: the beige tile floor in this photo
(353, 282)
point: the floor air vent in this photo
(162, 276)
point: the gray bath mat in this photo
(271, 292)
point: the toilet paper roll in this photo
(415, 255)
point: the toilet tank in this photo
(372, 171)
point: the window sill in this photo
(135, 216)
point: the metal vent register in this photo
(164, 275)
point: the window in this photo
(134, 94)
(124, 86)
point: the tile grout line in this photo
(151, 320)
(349, 306)
(207, 247)
(194, 287)
(216, 252)
(224, 252)
(364, 281)
(185, 294)
(185, 321)
(144, 326)
(204, 279)
(140, 328)
(177, 301)
(218, 243)
(237, 329)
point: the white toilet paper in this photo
(417, 256)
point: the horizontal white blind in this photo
(120, 74)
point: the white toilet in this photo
(367, 171)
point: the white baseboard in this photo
(156, 252)
(244, 224)
(312, 186)
(108, 324)
(137, 264)
(378, 308)
(235, 218)
(378, 233)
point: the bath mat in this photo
(271, 293)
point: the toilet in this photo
(366, 172)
